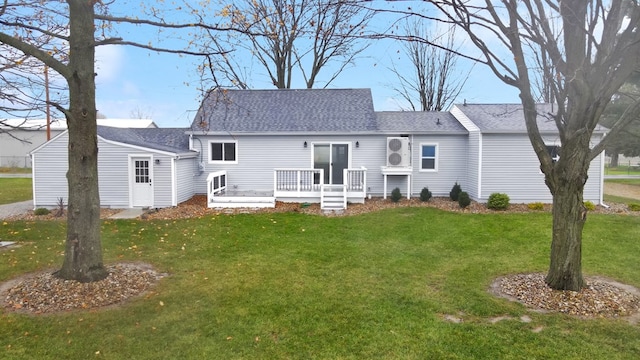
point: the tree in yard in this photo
(628, 142)
(590, 56)
(83, 251)
(75, 24)
(432, 82)
(290, 40)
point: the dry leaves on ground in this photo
(43, 293)
(600, 298)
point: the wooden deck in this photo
(290, 185)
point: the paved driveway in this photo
(15, 208)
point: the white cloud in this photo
(109, 62)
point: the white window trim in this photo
(223, 142)
(436, 159)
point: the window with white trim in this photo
(223, 152)
(429, 157)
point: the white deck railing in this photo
(307, 183)
(216, 184)
(292, 184)
(356, 181)
(297, 182)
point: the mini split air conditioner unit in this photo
(398, 153)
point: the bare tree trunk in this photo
(569, 216)
(615, 157)
(566, 183)
(83, 253)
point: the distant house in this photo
(18, 137)
(249, 148)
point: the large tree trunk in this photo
(566, 183)
(83, 252)
(569, 215)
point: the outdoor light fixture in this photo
(357, 144)
(305, 144)
(157, 161)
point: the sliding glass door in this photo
(333, 158)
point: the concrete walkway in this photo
(7, 175)
(13, 209)
(128, 214)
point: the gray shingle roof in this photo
(172, 140)
(418, 121)
(510, 117)
(507, 117)
(286, 110)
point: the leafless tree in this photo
(433, 81)
(25, 84)
(589, 58)
(290, 40)
(81, 26)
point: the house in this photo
(18, 137)
(249, 148)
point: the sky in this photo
(132, 82)
(164, 87)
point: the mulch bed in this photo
(197, 207)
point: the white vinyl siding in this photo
(50, 166)
(185, 172)
(255, 168)
(511, 166)
(474, 165)
(451, 153)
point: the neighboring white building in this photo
(18, 137)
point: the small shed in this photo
(146, 168)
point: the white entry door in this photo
(141, 182)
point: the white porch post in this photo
(409, 186)
(384, 196)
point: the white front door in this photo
(141, 182)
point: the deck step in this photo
(333, 197)
(243, 202)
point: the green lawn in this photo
(15, 189)
(634, 181)
(15, 170)
(295, 286)
(622, 170)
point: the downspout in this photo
(480, 165)
(33, 180)
(411, 160)
(174, 180)
(602, 181)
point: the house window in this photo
(223, 151)
(429, 157)
(554, 152)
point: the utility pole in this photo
(46, 91)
